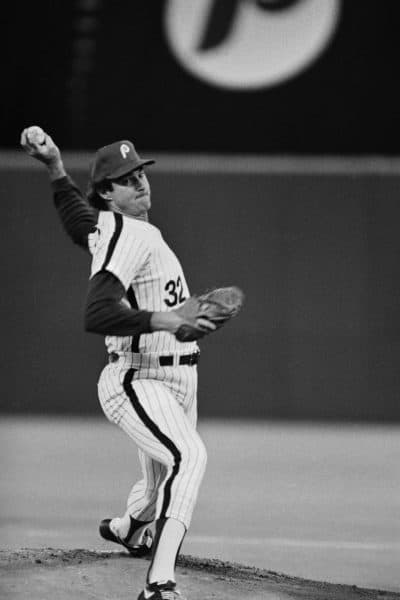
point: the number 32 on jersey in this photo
(175, 292)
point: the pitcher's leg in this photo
(152, 417)
(141, 502)
(142, 499)
(182, 452)
(164, 432)
(128, 530)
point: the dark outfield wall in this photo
(113, 72)
(318, 258)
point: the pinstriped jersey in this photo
(135, 252)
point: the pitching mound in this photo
(48, 573)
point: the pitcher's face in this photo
(131, 194)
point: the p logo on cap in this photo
(116, 159)
(124, 149)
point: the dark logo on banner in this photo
(248, 44)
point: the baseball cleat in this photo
(137, 550)
(161, 591)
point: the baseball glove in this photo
(216, 307)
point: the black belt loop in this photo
(113, 357)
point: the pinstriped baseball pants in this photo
(157, 408)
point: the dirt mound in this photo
(86, 574)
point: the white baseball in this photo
(36, 135)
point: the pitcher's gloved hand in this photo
(208, 312)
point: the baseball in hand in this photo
(36, 135)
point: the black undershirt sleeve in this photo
(77, 217)
(104, 312)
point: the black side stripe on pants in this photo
(114, 239)
(153, 427)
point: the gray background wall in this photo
(316, 254)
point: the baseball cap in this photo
(114, 160)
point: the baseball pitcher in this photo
(139, 300)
